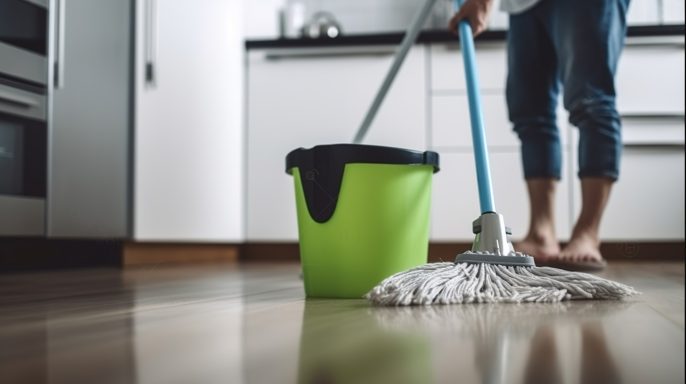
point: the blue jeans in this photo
(574, 44)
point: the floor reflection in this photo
(528, 343)
(351, 342)
(187, 324)
(597, 364)
(342, 342)
(272, 319)
(53, 330)
(251, 324)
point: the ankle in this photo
(586, 234)
(542, 234)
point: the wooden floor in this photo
(251, 324)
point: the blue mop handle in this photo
(483, 172)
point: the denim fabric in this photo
(573, 45)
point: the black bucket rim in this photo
(363, 154)
(322, 168)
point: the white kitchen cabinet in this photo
(647, 202)
(317, 96)
(305, 97)
(188, 136)
(644, 12)
(650, 88)
(673, 11)
(146, 121)
(652, 129)
(650, 76)
(455, 201)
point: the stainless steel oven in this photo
(23, 113)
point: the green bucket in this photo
(363, 214)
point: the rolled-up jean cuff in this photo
(541, 158)
(600, 174)
(541, 175)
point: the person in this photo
(574, 45)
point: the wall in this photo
(364, 16)
(261, 18)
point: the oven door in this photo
(23, 161)
(24, 24)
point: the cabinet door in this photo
(650, 77)
(647, 202)
(455, 201)
(188, 125)
(88, 175)
(320, 96)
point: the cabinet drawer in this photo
(653, 129)
(650, 78)
(447, 69)
(647, 202)
(455, 201)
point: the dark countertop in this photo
(431, 36)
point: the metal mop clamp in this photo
(491, 244)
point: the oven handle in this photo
(9, 98)
(59, 61)
(40, 3)
(150, 42)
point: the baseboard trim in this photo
(649, 251)
(270, 252)
(18, 254)
(136, 254)
(37, 253)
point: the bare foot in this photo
(582, 247)
(541, 247)
(582, 253)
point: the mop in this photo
(492, 271)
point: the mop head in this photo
(462, 283)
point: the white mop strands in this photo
(462, 283)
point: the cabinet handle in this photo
(656, 44)
(9, 98)
(40, 3)
(653, 116)
(58, 66)
(150, 42)
(654, 145)
(297, 53)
